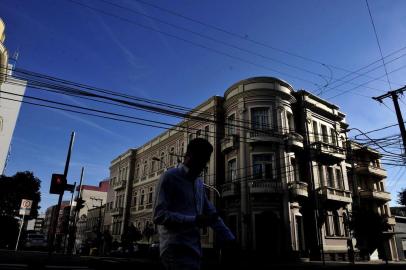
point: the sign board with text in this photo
(25, 207)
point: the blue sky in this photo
(66, 40)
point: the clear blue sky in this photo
(66, 40)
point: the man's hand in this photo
(206, 220)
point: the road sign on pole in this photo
(25, 209)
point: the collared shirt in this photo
(178, 200)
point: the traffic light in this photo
(80, 203)
(58, 184)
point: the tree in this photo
(22, 185)
(369, 228)
(402, 197)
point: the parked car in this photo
(35, 241)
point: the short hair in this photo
(199, 146)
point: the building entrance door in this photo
(268, 234)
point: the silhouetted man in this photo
(181, 209)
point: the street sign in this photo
(25, 207)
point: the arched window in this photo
(162, 161)
(171, 159)
(145, 167)
(150, 195)
(142, 197)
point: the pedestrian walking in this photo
(182, 208)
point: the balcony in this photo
(266, 186)
(298, 189)
(229, 142)
(294, 140)
(118, 211)
(328, 153)
(371, 170)
(119, 184)
(133, 209)
(265, 135)
(230, 189)
(375, 195)
(336, 195)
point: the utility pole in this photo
(72, 228)
(58, 206)
(395, 95)
(99, 233)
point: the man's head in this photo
(197, 155)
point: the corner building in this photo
(279, 156)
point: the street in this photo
(41, 260)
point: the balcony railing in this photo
(391, 221)
(371, 170)
(328, 153)
(337, 195)
(266, 186)
(294, 139)
(119, 184)
(298, 188)
(230, 189)
(229, 142)
(265, 135)
(118, 211)
(375, 195)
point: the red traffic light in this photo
(58, 184)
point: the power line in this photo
(193, 43)
(379, 45)
(204, 46)
(245, 37)
(75, 92)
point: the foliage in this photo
(22, 185)
(369, 228)
(402, 197)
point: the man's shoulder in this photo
(171, 173)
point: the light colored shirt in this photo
(178, 200)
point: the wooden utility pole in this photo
(395, 95)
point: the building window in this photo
(339, 179)
(135, 199)
(142, 197)
(153, 166)
(150, 195)
(231, 125)
(333, 136)
(337, 224)
(206, 132)
(262, 166)
(294, 172)
(324, 133)
(290, 122)
(171, 159)
(162, 161)
(182, 149)
(145, 169)
(330, 177)
(260, 119)
(137, 171)
(329, 225)
(321, 176)
(190, 137)
(316, 131)
(198, 133)
(232, 170)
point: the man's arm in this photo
(223, 232)
(162, 215)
